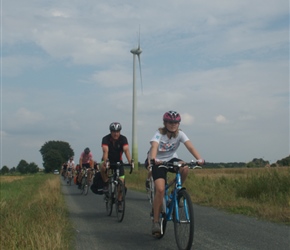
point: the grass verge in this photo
(263, 193)
(33, 213)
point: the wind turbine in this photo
(136, 52)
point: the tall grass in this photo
(33, 214)
(263, 193)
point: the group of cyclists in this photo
(163, 147)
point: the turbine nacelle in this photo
(136, 51)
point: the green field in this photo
(34, 215)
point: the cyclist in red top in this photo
(86, 161)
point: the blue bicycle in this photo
(177, 207)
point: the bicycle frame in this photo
(117, 190)
(171, 203)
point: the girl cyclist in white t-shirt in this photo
(164, 145)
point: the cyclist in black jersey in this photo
(114, 145)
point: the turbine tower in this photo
(136, 52)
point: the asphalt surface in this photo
(214, 229)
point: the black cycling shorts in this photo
(121, 169)
(86, 165)
(160, 172)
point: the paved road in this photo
(214, 229)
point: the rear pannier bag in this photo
(98, 184)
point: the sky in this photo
(67, 73)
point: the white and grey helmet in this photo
(115, 126)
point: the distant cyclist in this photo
(114, 145)
(70, 167)
(64, 170)
(164, 145)
(86, 161)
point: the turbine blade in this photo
(139, 39)
(140, 72)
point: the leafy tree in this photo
(4, 170)
(284, 162)
(32, 168)
(54, 154)
(52, 160)
(12, 170)
(257, 163)
(22, 167)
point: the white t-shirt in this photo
(70, 164)
(167, 147)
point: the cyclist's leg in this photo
(158, 198)
(184, 172)
(104, 173)
(122, 178)
(120, 194)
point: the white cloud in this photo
(187, 119)
(25, 116)
(221, 119)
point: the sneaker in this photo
(156, 230)
(147, 185)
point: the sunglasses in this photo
(170, 122)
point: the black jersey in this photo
(116, 148)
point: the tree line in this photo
(55, 153)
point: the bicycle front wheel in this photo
(82, 185)
(120, 204)
(69, 180)
(109, 198)
(86, 186)
(184, 221)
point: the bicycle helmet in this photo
(87, 151)
(115, 126)
(171, 116)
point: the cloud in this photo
(221, 119)
(24, 116)
(187, 119)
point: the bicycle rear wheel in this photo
(184, 221)
(109, 198)
(120, 205)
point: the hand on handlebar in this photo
(200, 162)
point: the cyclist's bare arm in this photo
(127, 152)
(105, 153)
(153, 150)
(192, 149)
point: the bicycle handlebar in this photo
(166, 164)
(119, 164)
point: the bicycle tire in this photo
(120, 213)
(109, 200)
(82, 185)
(86, 186)
(184, 221)
(69, 180)
(150, 192)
